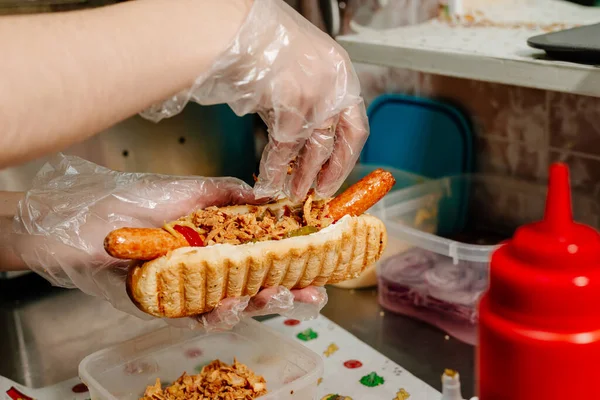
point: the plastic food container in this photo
(124, 371)
(452, 226)
(403, 180)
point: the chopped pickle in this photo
(304, 231)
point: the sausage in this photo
(363, 195)
(141, 243)
(150, 243)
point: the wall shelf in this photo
(486, 53)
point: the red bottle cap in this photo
(548, 276)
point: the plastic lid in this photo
(427, 137)
(423, 136)
(548, 275)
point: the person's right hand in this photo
(304, 87)
(61, 224)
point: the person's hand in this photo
(304, 87)
(60, 226)
(300, 304)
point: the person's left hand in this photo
(60, 226)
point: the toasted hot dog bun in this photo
(193, 280)
(192, 268)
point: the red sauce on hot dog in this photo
(193, 238)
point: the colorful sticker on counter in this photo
(15, 394)
(336, 397)
(402, 395)
(330, 350)
(79, 388)
(372, 380)
(307, 335)
(353, 364)
(291, 322)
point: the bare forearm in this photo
(65, 77)
(9, 261)
(8, 206)
(9, 202)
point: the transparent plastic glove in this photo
(60, 226)
(302, 84)
(301, 304)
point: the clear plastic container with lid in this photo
(441, 235)
(124, 371)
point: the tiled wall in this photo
(520, 131)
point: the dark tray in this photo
(589, 3)
(580, 45)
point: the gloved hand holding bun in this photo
(62, 221)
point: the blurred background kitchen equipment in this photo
(331, 15)
(207, 141)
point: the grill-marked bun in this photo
(193, 280)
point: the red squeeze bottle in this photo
(539, 321)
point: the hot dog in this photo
(187, 267)
(141, 243)
(363, 195)
(150, 243)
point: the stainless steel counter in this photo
(45, 332)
